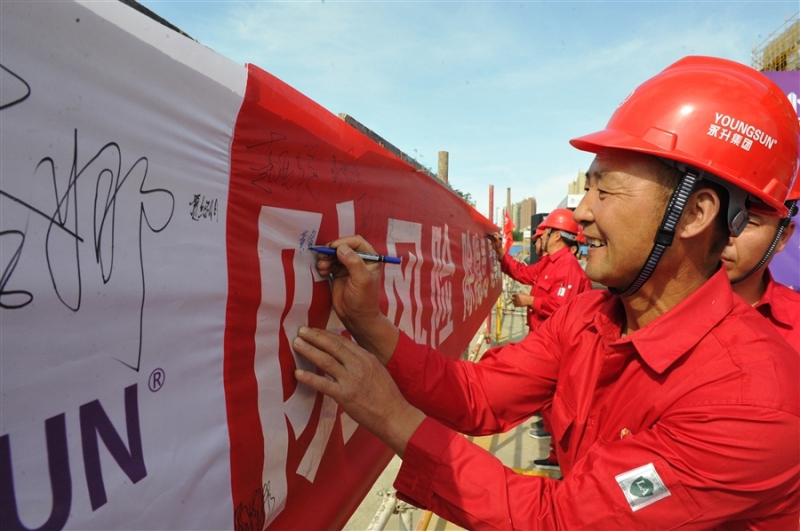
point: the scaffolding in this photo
(781, 50)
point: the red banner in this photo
(300, 176)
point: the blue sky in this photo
(502, 86)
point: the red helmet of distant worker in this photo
(581, 238)
(717, 116)
(561, 219)
(539, 232)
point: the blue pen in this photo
(330, 251)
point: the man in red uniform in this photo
(746, 260)
(537, 241)
(673, 405)
(557, 277)
(525, 300)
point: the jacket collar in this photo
(559, 254)
(778, 311)
(668, 337)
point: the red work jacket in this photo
(781, 306)
(554, 280)
(691, 421)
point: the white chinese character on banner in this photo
(441, 285)
(288, 274)
(473, 258)
(736, 139)
(725, 134)
(402, 283)
(712, 130)
(746, 143)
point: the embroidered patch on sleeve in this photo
(642, 486)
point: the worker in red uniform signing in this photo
(746, 260)
(557, 277)
(673, 405)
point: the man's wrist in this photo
(397, 429)
(377, 335)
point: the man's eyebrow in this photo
(593, 176)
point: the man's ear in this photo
(700, 213)
(784, 239)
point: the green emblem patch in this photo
(641, 487)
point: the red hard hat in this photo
(539, 232)
(794, 193)
(715, 115)
(581, 238)
(794, 197)
(560, 219)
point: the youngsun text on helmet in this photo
(728, 128)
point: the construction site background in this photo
(780, 51)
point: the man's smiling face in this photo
(620, 213)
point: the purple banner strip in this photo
(785, 266)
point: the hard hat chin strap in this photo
(738, 198)
(737, 217)
(568, 237)
(666, 231)
(781, 228)
(546, 239)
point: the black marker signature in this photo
(344, 174)
(19, 298)
(367, 205)
(66, 273)
(280, 170)
(253, 515)
(9, 88)
(203, 208)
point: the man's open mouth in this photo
(594, 242)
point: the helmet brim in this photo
(613, 139)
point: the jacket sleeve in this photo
(566, 279)
(522, 273)
(680, 471)
(506, 387)
(664, 477)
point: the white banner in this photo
(114, 179)
(157, 203)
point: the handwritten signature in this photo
(344, 174)
(21, 85)
(279, 170)
(307, 239)
(253, 515)
(63, 236)
(203, 208)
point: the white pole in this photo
(385, 511)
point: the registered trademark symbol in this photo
(156, 380)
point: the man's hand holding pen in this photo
(497, 243)
(355, 374)
(355, 295)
